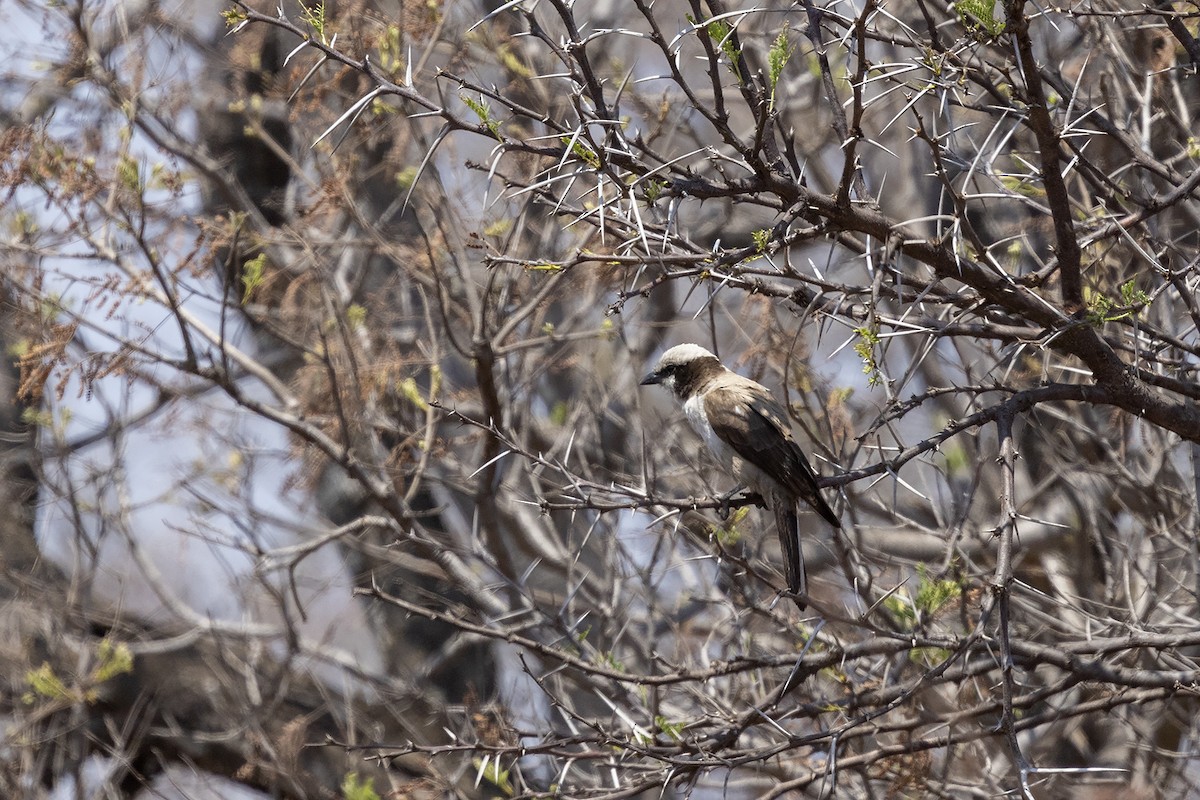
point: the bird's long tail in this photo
(787, 523)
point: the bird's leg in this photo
(724, 499)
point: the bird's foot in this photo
(800, 600)
(724, 500)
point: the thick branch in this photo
(1057, 196)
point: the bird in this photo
(747, 432)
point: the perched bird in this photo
(747, 431)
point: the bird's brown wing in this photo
(754, 425)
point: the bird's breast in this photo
(738, 468)
(693, 409)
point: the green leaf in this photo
(671, 729)
(493, 774)
(721, 33)
(484, 112)
(582, 151)
(406, 177)
(409, 391)
(653, 189)
(977, 16)
(391, 50)
(129, 173)
(354, 788)
(730, 533)
(607, 659)
(1131, 295)
(762, 238)
(234, 17)
(115, 658)
(900, 606)
(777, 58)
(44, 683)
(356, 315)
(933, 594)
(865, 348)
(253, 271)
(315, 18)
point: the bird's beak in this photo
(651, 378)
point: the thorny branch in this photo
(927, 224)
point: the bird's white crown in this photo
(683, 354)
